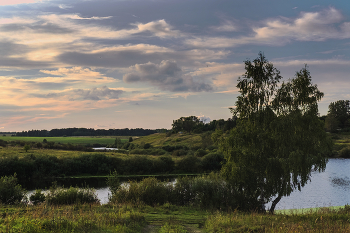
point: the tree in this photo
(278, 140)
(340, 110)
(26, 147)
(187, 124)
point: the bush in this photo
(153, 151)
(344, 153)
(200, 153)
(209, 192)
(10, 191)
(148, 191)
(212, 162)
(180, 152)
(189, 163)
(113, 183)
(61, 196)
(37, 197)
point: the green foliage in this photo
(208, 192)
(331, 123)
(278, 139)
(189, 163)
(130, 139)
(113, 182)
(173, 228)
(75, 218)
(340, 112)
(61, 196)
(149, 191)
(26, 147)
(187, 124)
(200, 153)
(344, 153)
(37, 197)
(10, 191)
(212, 161)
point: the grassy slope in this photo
(160, 139)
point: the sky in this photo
(144, 63)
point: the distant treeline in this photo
(88, 132)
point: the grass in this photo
(165, 218)
(20, 152)
(160, 139)
(71, 140)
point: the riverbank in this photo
(165, 218)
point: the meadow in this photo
(134, 215)
(72, 140)
(163, 218)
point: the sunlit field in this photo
(72, 140)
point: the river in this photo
(329, 188)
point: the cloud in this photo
(15, 2)
(167, 76)
(226, 26)
(204, 119)
(128, 55)
(159, 28)
(98, 93)
(309, 26)
(74, 76)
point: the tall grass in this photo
(318, 221)
(61, 196)
(209, 192)
(74, 218)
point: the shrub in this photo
(37, 197)
(148, 191)
(200, 153)
(344, 153)
(209, 192)
(113, 182)
(130, 139)
(147, 146)
(180, 152)
(168, 163)
(61, 196)
(26, 147)
(212, 162)
(10, 191)
(189, 163)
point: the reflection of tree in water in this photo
(342, 182)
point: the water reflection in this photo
(329, 188)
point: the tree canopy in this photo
(278, 140)
(338, 115)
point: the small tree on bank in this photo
(278, 140)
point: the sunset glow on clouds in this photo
(145, 63)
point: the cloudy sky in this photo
(143, 63)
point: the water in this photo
(329, 188)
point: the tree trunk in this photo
(274, 203)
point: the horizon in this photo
(107, 64)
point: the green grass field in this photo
(71, 140)
(160, 219)
(160, 139)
